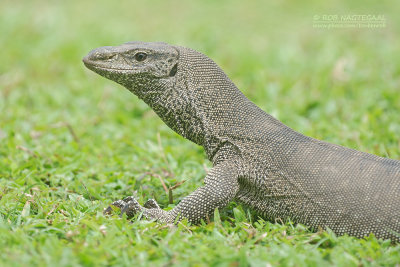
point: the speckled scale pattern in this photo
(257, 160)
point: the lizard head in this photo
(150, 71)
(138, 66)
(186, 89)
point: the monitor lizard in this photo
(256, 159)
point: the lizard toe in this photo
(131, 208)
(119, 204)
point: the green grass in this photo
(71, 142)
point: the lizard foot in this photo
(130, 206)
(123, 205)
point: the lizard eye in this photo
(140, 56)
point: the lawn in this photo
(71, 141)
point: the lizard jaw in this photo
(93, 66)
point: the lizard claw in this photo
(128, 205)
(131, 207)
(119, 204)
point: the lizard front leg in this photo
(221, 186)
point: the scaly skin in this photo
(256, 159)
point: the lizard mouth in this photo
(102, 68)
(90, 64)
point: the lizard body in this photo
(256, 159)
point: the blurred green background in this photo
(72, 141)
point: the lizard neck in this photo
(221, 115)
(219, 111)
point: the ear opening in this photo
(173, 70)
